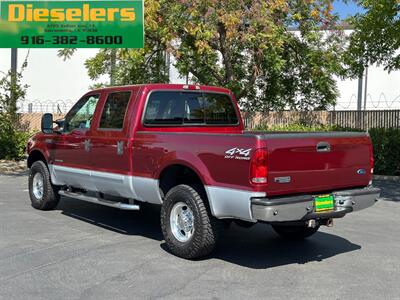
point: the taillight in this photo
(371, 158)
(258, 167)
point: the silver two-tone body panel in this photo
(228, 203)
(126, 186)
(224, 202)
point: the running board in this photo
(100, 201)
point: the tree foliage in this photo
(248, 47)
(11, 91)
(245, 45)
(376, 36)
(12, 139)
(133, 66)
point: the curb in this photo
(12, 168)
(388, 178)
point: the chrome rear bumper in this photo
(297, 208)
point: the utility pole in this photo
(113, 60)
(13, 96)
(360, 87)
(168, 65)
(366, 88)
(359, 100)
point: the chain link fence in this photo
(363, 120)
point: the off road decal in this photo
(238, 153)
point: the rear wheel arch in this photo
(176, 174)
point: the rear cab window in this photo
(171, 108)
(114, 111)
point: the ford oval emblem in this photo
(361, 172)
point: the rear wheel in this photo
(296, 232)
(43, 194)
(189, 230)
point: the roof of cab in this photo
(165, 86)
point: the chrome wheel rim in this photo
(37, 186)
(182, 222)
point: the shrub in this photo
(302, 127)
(12, 140)
(386, 144)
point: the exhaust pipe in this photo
(329, 223)
(313, 223)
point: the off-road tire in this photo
(297, 232)
(50, 197)
(206, 227)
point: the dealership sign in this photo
(71, 24)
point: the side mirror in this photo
(60, 124)
(47, 123)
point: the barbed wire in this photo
(345, 107)
(383, 99)
(63, 106)
(382, 103)
(45, 106)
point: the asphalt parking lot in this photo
(84, 251)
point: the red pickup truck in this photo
(184, 147)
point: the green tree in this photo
(133, 66)
(248, 47)
(245, 45)
(12, 138)
(12, 91)
(376, 36)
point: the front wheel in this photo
(296, 232)
(189, 230)
(44, 195)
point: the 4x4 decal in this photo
(238, 153)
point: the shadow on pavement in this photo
(390, 189)
(145, 222)
(260, 248)
(257, 247)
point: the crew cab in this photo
(184, 147)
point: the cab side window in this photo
(81, 114)
(114, 110)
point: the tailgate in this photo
(317, 162)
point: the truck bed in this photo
(295, 165)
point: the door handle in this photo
(88, 145)
(120, 147)
(323, 147)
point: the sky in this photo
(346, 10)
(51, 78)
